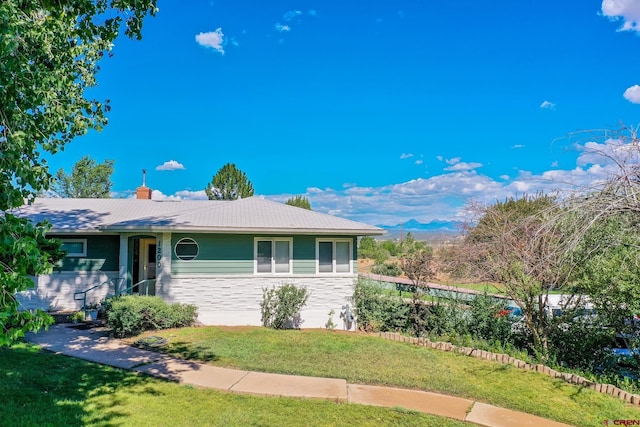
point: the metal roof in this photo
(252, 215)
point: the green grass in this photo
(372, 360)
(38, 388)
(490, 288)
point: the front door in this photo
(145, 265)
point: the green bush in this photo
(392, 269)
(131, 315)
(377, 311)
(280, 307)
(489, 319)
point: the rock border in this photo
(609, 389)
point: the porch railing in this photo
(144, 287)
(82, 295)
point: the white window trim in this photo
(273, 251)
(175, 249)
(77, 254)
(333, 269)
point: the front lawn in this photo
(372, 360)
(39, 388)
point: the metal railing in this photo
(82, 295)
(144, 287)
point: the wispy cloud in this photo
(463, 166)
(212, 39)
(632, 94)
(291, 14)
(548, 105)
(419, 162)
(518, 146)
(282, 28)
(406, 155)
(171, 165)
(453, 161)
(627, 11)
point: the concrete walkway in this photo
(95, 345)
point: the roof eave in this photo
(245, 230)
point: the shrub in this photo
(131, 315)
(489, 319)
(392, 269)
(280, 307)
(377, 311)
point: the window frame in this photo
(76, 254)
(333, 242)
(175, 249)
(273, 241)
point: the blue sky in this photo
(378, 111)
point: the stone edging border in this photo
(505, 358)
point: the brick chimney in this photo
(143, 192)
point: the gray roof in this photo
(252, 215)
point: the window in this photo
(273, 255)
(334, 256)
(75, 247)
(187, 249)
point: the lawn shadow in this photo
(42, 388)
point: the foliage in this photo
(280, 307)
(87, 180)
(229, 183)
(49, 55)
(132, 314)
(417, 265)
(331, 325)
(299, 201)
(520, 244)
(24, 251)
(387, 269)
(608, 269)
(392, 247)
(376, 311)
(489, 319)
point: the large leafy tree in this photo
(49, 57)
(87, 179)
(229, 183)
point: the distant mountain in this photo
(414, 225)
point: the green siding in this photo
(103, 254)
(233, 254)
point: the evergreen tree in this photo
(299, 201)
(229, 183)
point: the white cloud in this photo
(171, 165)
(419, 162)
(627, 11)
(463, 166)
(453, 161)
(282, 28)
(212, 39)
(289, 15)
(548, 105)
(632, 94)
(518, 146)
(406, 155)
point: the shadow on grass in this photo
(189, 351)
(41, 388)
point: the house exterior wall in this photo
(235, 300)
(220, 281)
(55, 291)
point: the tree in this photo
(299, 201)
(49, 56)
(229, 183)
(87, 180)
(417, 265)
(520, 244)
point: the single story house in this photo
(217, 255)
